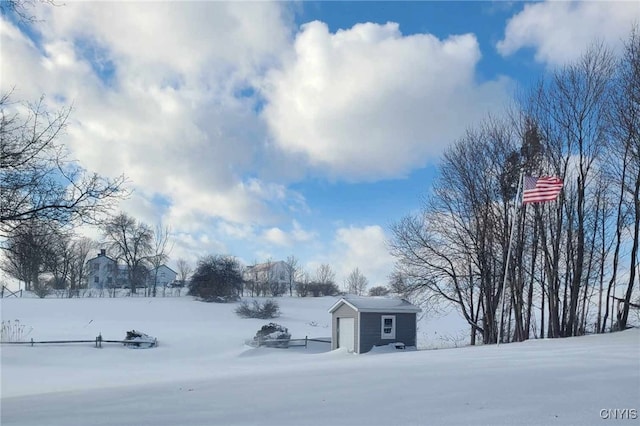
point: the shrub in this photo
(41, 288)
(217, 279)
(317, 289)
(269, 309)
(276, 288)
(378, 291)
(302, 289)
(270, 332)
(323, 289)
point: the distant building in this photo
(102, 271)
(267, 277)
(164, 276)
(105, 272)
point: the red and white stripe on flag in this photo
(541, 189)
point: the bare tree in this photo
(623, 116)
(22, 8)
(581, 124)
(272, 280)
(356, 282)
(184, 270)
(78, 269)
(455, 249)
(58, 261)
(570, 115)
(324, 274)
(379, 290)
(38, 181)
(26, 253)
(161, 250)
(398, 284)
(292, 267)
(132, 242)
(302, 285)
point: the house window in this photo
(96, 280)
(388, 326)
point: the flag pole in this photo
(506, 266)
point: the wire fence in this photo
(6, 292)
(284, 343)
(88, 293)
(98, 341)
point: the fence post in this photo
(32, 341)
(305, 341)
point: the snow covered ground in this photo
(203, 374)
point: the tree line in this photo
(221, 278)
(580, 122)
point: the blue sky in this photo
(264, 130)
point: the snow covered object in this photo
(138, 340)
(273, 335)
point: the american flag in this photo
(541, 189)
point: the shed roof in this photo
(376, 304)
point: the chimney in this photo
(103, 252)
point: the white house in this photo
(271, 274)
(102, 271)
(105, 272)
(163, 276)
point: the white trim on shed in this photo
(375, 304)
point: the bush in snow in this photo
(323, 289)
(269, 309)
(41, 288)
(216, 279)
(317, 289)
(302, 289)
(270, 332)
(378, 291)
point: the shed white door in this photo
(346, 333)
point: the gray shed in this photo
(360, 323)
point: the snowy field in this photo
(203, 374)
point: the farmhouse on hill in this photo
(360, 323)
(105, 272)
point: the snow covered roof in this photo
(376, 304)
(262, 267)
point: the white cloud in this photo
(357, 247)
(168, 94)
(369, 103)
(154, 89)
(277, 236)
(300, 235)
(559, 31)
(236, 230)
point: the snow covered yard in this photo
(202, 374)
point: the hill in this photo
(202, 374)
